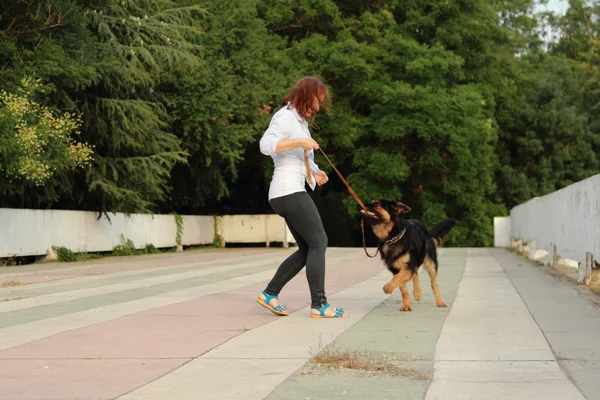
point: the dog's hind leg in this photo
(431, 267)
(416, 286)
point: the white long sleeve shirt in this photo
(290, 172)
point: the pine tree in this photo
(221, 109)
(103, 60)
(124, 118)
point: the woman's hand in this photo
(309, 144)
(321, 178)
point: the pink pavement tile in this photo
(184, 330)
(130, 337)
(78, 379)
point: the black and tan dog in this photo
(405, 245)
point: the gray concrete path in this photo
(568, 316)
(491, 346)
(186, 326)
(487, 346)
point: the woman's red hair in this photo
(302, 94)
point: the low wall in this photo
(264, 228)
(502, 231)
(25, 232)
(568, 219)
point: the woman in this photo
(286, 140)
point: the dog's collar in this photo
(393, 240)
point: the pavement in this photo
(186, 326)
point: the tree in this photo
(43, 40)
(125, 119)
(549, 136)
(411, 117)
(103, 60)
(36, 144)
(552, 146)
(580, 43)
(221, 108)
(453, 107)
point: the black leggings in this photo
(304, 221)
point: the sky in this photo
(559, 6)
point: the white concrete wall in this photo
(277, 230)
(254, 229)
(25, 232)
(568, 219)
(243, 228)
(501, 231)
(197, 230)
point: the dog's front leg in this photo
(399, 281)
(389, 287)
(394, 283)
(406, 306)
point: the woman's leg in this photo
(290, 267)
(302, 216)
(305, 219)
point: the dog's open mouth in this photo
(369, 214)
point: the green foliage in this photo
(126, 248)
(580, 44)
(126, 119)
(550, 135)
(65, 255)
(126, 47)
(90, 256)
(179, 224)
(36, 144)
(220, 108)
(552, 145)
(150, 249)
(410, 118)
(454, 107)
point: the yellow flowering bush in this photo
(34, 142)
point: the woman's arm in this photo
(275, 139)
(289, 144)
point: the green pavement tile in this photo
(410, 338)
(350, 384)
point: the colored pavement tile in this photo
(174, 334)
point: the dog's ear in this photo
(400, 207)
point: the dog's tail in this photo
(441, 230)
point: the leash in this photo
(352, 192)
(362, 228)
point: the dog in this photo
(405, 245)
